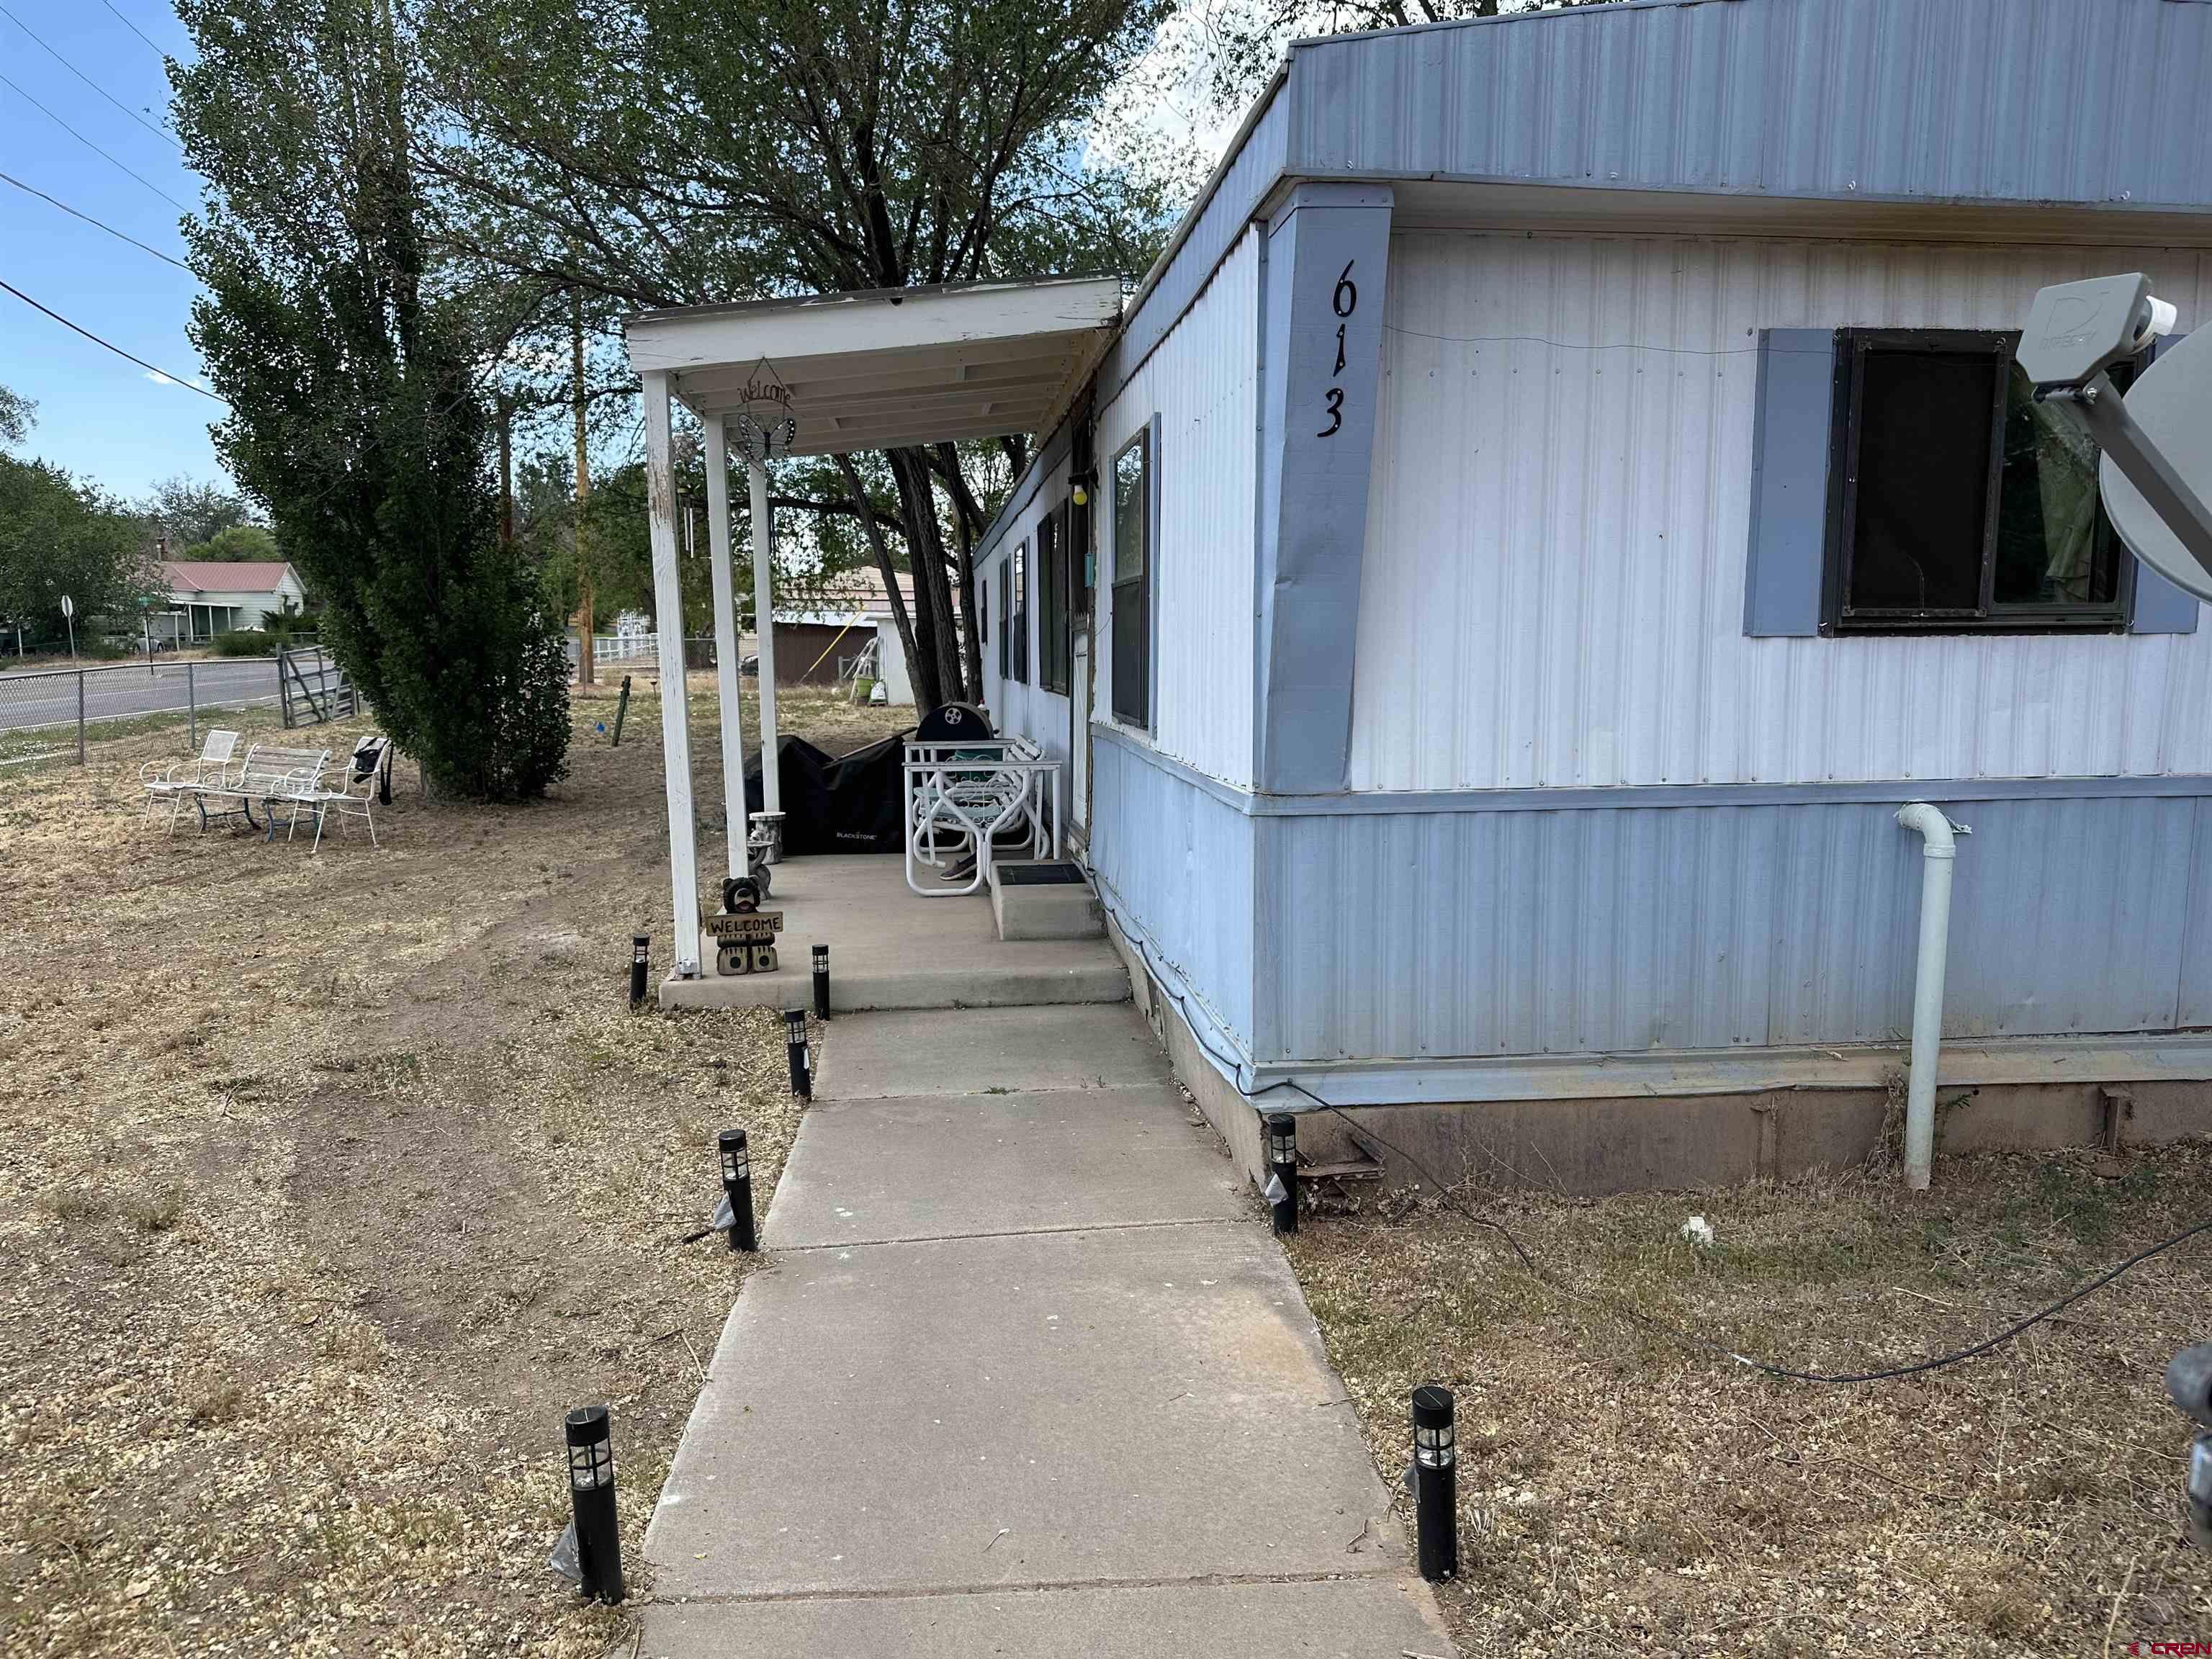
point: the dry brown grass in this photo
(1619, 1494)
(331, 1181)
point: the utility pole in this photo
(585, 621)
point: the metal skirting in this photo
(1430, 938)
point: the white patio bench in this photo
(273, 776)
(176, 781)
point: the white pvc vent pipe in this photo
(1938, 851)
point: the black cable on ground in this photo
(1629, 1310)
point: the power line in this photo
(88, 80)
(34, 190)
(89, 145)
(174, 380)
(135, 30)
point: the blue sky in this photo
(104, 419)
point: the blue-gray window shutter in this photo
(2159, 607)
(1796, 399)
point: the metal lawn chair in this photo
(970, 796)
(357, 791)
(177, 781)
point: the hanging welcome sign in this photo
(764, 424)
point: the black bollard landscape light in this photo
(821, 981)
(794, 1043)
(738, 1187)
(1436, 1483)
(591, 1495)
(1283, 1171)
(641, 955)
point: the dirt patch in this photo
(1619, 1493)
(332, 1180)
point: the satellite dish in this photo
(2172, 401)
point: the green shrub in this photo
(243, 642)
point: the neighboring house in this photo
(207, 598)
(1562, 489)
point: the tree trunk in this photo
(968, 515)
(935, 633)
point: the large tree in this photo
(191, 513)
(355, 380)
(61, 536)
(641, 153)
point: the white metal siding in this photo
(1553, 586)
(1203, 382)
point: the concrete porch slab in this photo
(947, 1166)
(1031, 1049)
(1043, 1409)
(1315, 1618)
(891, 948)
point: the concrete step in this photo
(891, 948)
(950, 1166)
(1310, 1619)
(980, 1050)
(1043, 910)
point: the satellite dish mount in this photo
(2157, 467)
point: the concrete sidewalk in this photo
(1027, 1375)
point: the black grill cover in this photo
(848, 805)
(953, 722)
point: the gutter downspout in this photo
(1938, 852)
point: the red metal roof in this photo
(217, 576)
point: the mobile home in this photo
(1562, 490)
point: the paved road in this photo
(116, 693)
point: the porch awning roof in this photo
(892, 366)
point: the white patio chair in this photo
(176, 781)
(357, 791)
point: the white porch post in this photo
(675, 717)
(764, 620)
(726, 643)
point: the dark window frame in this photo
(1018, 622)
(1132, 597)
(1005, 633)
(1053, 640)
(1988, 615)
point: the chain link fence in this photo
(49, 713)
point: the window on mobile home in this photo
(1005, 633)
(1957, 501)
(1132, 589)
(1018, 624)
(1052, 600)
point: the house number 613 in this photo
(1343, 300)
